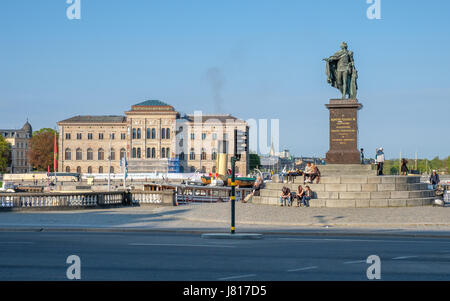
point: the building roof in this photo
(153, 102)
(95, 119)
(152, 105)
(27, 127)
(213, 117)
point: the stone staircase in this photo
(353, 186)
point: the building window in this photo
(203, 155)
(101, 154)
(79, 136)
(113, 154)
(214, 169)
(134, 153)
(100, 169)
(167, 133)
(89, 136)
(214, 136)
(89, 169)
(112, 136)
(153, 133)
(163, 152)
(100, 136)
(138, 133)
(122, 153)
(67, 154)
(148, 152)
(67, 136)
(134, 133)
(148, 135)
(192, 154)
(163, 133)
(79, 154)
(78, 169)
(203, 136)
(67, 168)
(111, 170)
(168, 152)
(192, 136)
(153, 152)
(90, 155)
(139, 152)
(214, 154)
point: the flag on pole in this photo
(55, 151)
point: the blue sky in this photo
(267, 57)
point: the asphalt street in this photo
(188, 257)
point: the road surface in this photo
(188, 257)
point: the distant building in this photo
(19, 140)
(153, 137)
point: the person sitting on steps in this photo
(307, 173)
(307, 196)
(300, 194)
(315, 174)
(285, 196)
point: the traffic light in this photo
(241, 143)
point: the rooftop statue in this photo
(341, 72)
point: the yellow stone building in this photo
(153, 136)
(19, 140)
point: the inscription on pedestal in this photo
(343, 131)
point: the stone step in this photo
(359, 195)
(356, 203)
(366, 179)
(277, 187)
(346, 169)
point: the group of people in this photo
(303, 196)
(311, 173)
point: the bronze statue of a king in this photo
(341, 72)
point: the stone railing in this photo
(152, 197)
(60, 200)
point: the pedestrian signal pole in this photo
(233, 184)
(240, 147)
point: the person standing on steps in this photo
(380, 161)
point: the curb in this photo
(232, 236)
(303, 232)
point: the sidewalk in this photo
(250, 217)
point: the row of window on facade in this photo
(136, 154)
(90, 170)
(90, 154)
(90, 136)
(16, 135)
(213, 135)
(203, 155)
(165, 153)
(150, 152)
(150, 133)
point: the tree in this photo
(40, 154)
(5, 154)
(254, 161)
(448, 164)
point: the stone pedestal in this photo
(343, 131)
